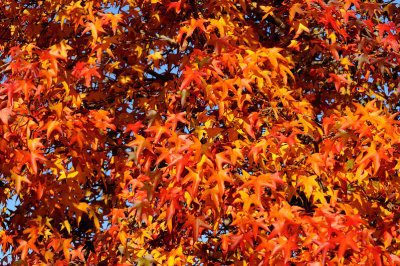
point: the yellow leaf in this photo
(67, 225)
(188, 198)
(293, 44)
(268, 11)
(17, 181)
(60, 50)
(122, 237)
(300, 27)
(308, 183)
(82, 206)
(96, 222)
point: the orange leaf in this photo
(18, 179)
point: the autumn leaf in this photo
(199, 132)
(346, 241)
(95, 28)
(191, 75)
(114, 19)
(264, 181)
(221, 177)
(134, 127)
(296, 8)
(338, 80)
(198, 225)
(140, 143)
(24, 247)
(176, 6)
(391, 41)
(5, 114)
(195, 23)
(18, 179)
(53, 125)
(375, 156)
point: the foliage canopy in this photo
(188, 132)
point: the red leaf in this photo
(180, 162)
(191, 75)
(345, 241)
(134, 127)
(175, 5)
(338, 80)
(391, 41)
